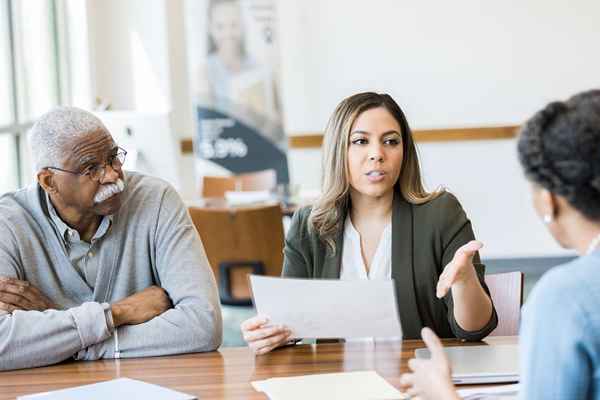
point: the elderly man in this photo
(95, 263)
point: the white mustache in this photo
(109, 190)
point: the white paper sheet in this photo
(248, 197)
(317, 308)
(360, 385)
(503, 392)
(122, 388)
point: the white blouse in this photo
(353, 266)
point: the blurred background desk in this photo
(227, 373)
(239, 241)
(287, 209)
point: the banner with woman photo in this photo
(233, 57)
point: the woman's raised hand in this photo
(460, 269)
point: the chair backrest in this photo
(259, 180)
(241, 235)
(216, 186)
(506, 290)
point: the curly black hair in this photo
(559, 149)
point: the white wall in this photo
(458, 63)
(130, 53)
(487, 179)
(461, 63)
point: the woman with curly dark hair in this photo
(559, 149)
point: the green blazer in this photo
(424, 239)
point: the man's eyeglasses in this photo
(97, 172)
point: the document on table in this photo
(504, 392)
(122, 388)
(360, 385)
(319, 308)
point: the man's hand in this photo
(140, 307)
(21, 295)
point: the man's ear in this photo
(45, 178)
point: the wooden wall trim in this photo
(454, 134)
(306, 140)
(311, 140)
(187, 146)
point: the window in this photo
(5, 67)
(8, 163)
(29, 78)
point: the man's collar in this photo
(70, 234)
(63, 228)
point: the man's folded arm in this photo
(38, 338)
(194, 322)
(186, 328)
(34, 338)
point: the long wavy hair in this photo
(327, 215)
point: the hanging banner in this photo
(233, 58)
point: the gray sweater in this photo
(151, 241)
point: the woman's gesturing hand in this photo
(460, 269)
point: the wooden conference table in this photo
(227, 373)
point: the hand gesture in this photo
(460, 269)
(430, 379)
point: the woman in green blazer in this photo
(373, 205)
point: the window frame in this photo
(19, 125)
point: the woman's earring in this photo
(548, 218)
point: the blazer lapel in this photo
(403, 268)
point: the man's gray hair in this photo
(54, 131)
